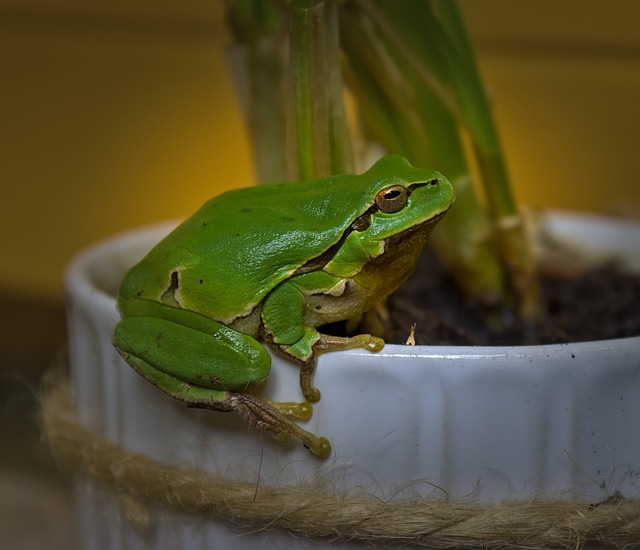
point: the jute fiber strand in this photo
(321, 513)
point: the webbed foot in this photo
(269, 416)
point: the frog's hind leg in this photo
(269, 418)
(265, 415)
(207, 365)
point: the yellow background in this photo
(116, 114)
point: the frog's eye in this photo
(391, 199)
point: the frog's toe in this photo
(373, 343)
(302, 411)
(320, 447)
(311, 394)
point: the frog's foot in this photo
(324, 343)
(269, 418)
(336, 343)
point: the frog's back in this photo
(240, 245)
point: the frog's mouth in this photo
(423, 230)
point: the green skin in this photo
(272, 263)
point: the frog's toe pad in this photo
(311, 394)
(374, 344)
(321, 447)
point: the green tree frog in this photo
(270, 264)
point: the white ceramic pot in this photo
(481, 424)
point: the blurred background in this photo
(119, 113)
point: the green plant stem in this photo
(474, 104)
(513, 241)
(318, 123)
(391, 34)
(257, 63)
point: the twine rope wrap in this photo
(318, 514)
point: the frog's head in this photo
(401, 205)
(403, 200)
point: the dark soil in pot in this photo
(600, 303)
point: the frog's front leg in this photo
(327, 342)
(207, 365)
(286, 316)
